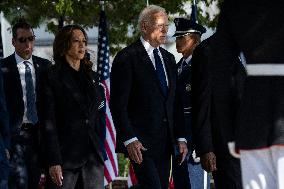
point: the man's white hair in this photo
(147, 13)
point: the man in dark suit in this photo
(143, 91)
(4, 138)
(22, 80)
(253, 28)
(210, 117)
(190, 174)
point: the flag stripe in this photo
(131, 180)
(112, 135)
(106, 84)
(107, 175)
(111, 164)
(110, 156)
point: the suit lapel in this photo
(37, 71)
(149, 65)
(96, 101)
(169, 70)
(147, 60)
(15, 76)
(74, 91)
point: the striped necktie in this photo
(30, 94)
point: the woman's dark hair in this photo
(62, 43)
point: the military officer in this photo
(188, 36)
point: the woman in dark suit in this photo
(73, 114)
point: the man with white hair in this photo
(143, 85)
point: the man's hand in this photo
(134, 151)
(208, 162)
(182, 146)
(55, 173)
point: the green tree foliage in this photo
(122, 14)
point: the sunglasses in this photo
(24, 39)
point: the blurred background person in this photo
(260, 126)
(210, 118)
(72, 116)
(143, 85)
(188, 36)
(22, 85)
(4, 138)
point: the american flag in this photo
(131, 179)
(1, 46)
(111, 165)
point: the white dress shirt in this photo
(149, 49)
(22, 70)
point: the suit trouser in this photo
(228, 174)
(154, 171)
(24, 164)
(199, 179)
(190, 175)
(263, 168)
(89, 176)
(180, 174)
(4, 168)
(4, 171)
(3, 184)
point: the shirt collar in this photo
(188, 59)
(147, 46)
(21, 60)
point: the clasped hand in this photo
(182, 146)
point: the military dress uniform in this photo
(199, 178)
(189, 174)
(255, 28)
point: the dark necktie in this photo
(160, 72)
(182, 66)
(30, 94)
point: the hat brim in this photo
(185, 33)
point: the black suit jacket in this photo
(13, 88)
(214, 122)
(4, 126)
(252, 27)
(184, 93)
(71, 127)
(137, 103)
